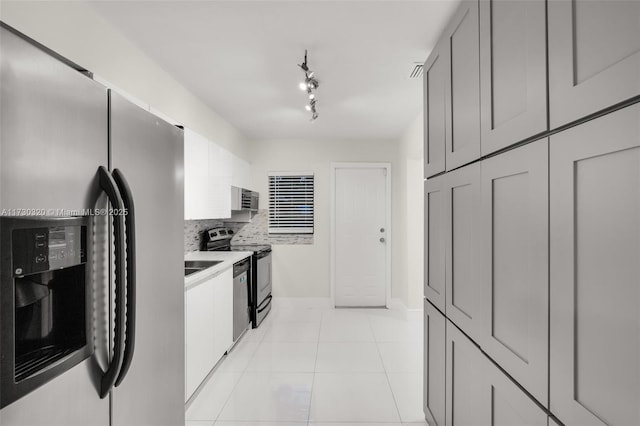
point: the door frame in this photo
(332, 212)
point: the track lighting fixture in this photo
(309, 84)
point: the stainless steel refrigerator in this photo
(64, 141)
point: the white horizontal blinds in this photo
(291, 203)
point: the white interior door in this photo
(361, 236)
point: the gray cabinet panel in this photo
(465, 380)
(595, 271)
(513, 71)
(434, 241)
(436, 117)
(53, 128)
(463, 92)
(514, 254)
(463, 306)
(594, 56)
(434, 365)
(506, 403)
(479, 393)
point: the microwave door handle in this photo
(130, 221)
(109, 186)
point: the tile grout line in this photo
(315, 364)
(386, 374)
(242, 373)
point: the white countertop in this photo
(228, 258)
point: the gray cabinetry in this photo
(434, 241)
(515, 286)
(594, 56)
(595, 271)
(463, 90)
(434, 365)
(479, 393)
(462, 200)
(465, 380)
(436, 117)
(513, 71)
(505, 404)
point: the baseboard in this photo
(397, 303)
(301, 302)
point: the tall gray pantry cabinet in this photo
(532, 292)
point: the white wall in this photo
(74, 30)
(411, 153)
(303, 270)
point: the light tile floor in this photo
(325, 367)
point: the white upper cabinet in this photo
(209, 173)
(594, 56)
(196, 176)
(241, 176)
(513, 71)
(219, 188)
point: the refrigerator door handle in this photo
(109, 186)
(130, 221)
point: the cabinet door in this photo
(513, 62)
(594, 56)
(219, 182)
(241, 172)
(462, 199)
(505, 403)
(463, 91)
(515, 284)
(197, 202)
(434, 365)
(200, 336)
(595, 271)
(436, 116)
(434, 241)
(465, 380)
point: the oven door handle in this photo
(109, 186)
(266, 302)
(130, 222)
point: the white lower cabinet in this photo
(479, 393)
(209, 327)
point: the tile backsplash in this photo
(194, 232)
(254, 232)
(257, 232)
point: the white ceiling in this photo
(240, 57)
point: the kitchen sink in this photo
(201, 264)
(189, 271)
(193, 266)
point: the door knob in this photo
(382, 239)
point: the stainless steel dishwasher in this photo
(241, 318)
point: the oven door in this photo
(263, 310)
(263, 281)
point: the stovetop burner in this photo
(219, 239)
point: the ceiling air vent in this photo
(416, 72)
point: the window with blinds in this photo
(291, 203)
